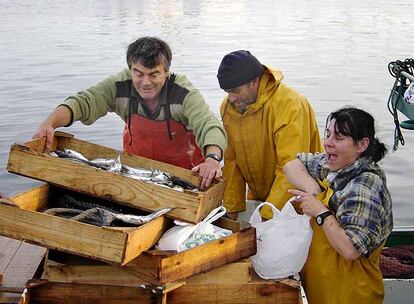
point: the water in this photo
(334, 52)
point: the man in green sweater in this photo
(166, 118)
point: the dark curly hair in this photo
(149, 51)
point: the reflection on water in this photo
(334, 52)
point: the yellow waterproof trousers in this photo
(329, 279)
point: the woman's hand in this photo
(308, 202)
(334, 232)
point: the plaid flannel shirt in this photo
(361, 201)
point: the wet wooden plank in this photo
(19, 262)
(8, 248)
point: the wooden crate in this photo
(30, 160)
(69, 293)
(22, 219)
(233, 283)
(162, 267)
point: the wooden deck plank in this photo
(8, 248)
(23, 266)
(19, 262)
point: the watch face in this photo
(319, 220)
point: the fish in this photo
(102, 217)
(141, 219)
(76, 156)
(149, 175)
(116, 166)
(182, 183)
(138, 171)
(96, 212)
(103, 162)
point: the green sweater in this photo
(187, 106)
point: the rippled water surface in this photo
(334, 52)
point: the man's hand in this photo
(60, 117)
(207, 171)
(45, 131)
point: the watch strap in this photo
(214, 156)
(320, 218)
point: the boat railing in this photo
(401, 98)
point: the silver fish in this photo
(137, 171)
(75, 156)
(140, 219)
(115, 166)
(99, 216)
(158, 180)
(104, 162)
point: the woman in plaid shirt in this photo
(345, 192)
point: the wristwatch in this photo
(320, 218)
(214, 156)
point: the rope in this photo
(401, 83)
(94, 216)
(93, 211)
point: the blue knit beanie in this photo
(238, 68)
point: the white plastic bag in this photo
(409, 94)
(282, 242)
(185, 235)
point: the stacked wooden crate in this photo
(119, 264)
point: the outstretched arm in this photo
(60, 117)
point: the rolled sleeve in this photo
(312, 162)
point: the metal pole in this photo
(397, 69)
(405, 74)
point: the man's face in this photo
(243, 96)
(148, 82)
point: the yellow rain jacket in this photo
(271, 131)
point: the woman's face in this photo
(341, 149)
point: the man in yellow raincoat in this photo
(267, 124)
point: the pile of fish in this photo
(96, 212)
(115, 166)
